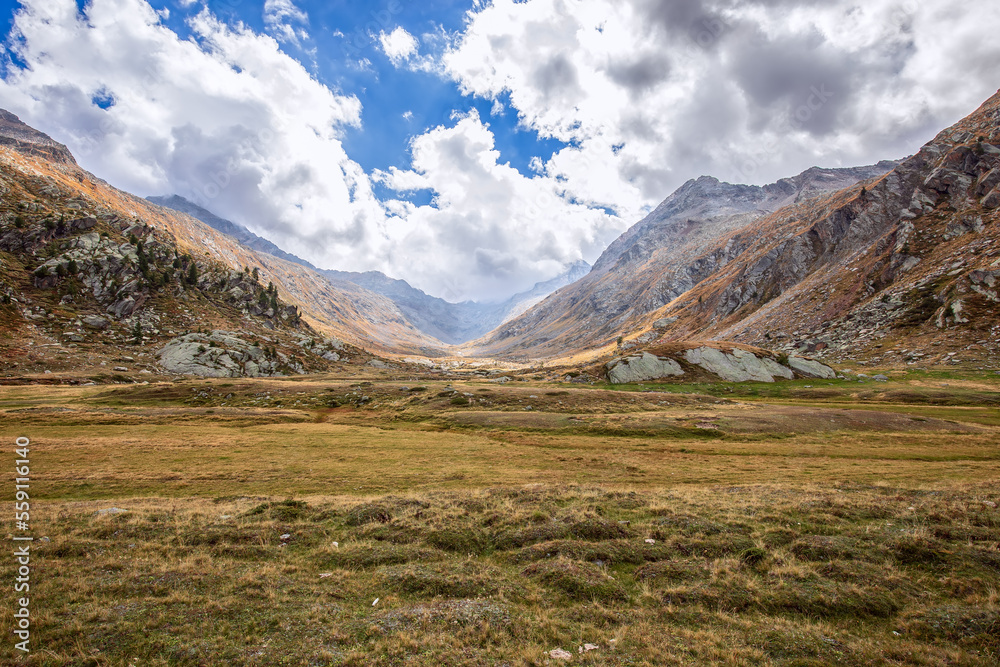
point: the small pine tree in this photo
(177, 262)
(137, 333)
(168, 277)
(61, 271)
(255, 273)
(274, 304)
(72, 267)
(19, 221)
(271, 289)
(192, 276)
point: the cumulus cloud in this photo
(497, 229)
(644, 94)
(281, 18)
(225, 119)
(398, 45)
(659, 91)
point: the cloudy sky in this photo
(474, 148)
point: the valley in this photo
(397, 517)
(761, 430)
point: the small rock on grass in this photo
(559, 654)
(111, 510)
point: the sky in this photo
(475, 148)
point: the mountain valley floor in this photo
(400, 518)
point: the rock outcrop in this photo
(219, 354)
(642, 367)
(738, 365)
(728, 365)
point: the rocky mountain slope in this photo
(653, 263)
(238, 232)
(901, 269)
(87, 271)
(451, 323)
(456, 323)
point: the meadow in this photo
(449, 520)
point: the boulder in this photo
(664, 323)
(810, 368)
(736, 366)
(95, 322)
(641, 367)
(219, 354)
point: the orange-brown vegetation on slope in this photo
(892, 257)
(343, 310)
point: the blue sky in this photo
(475, 147)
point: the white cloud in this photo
(646, 93)
(226, 119)
(280, 17)
(398, 45)
(497, 230)
(654, 92)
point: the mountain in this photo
(450, 323)
(27, 140)
(238, 232)
(900, 267)
(72, 247)
(456, 323)
(647, 267)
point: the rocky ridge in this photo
(655, 262)
(899, 269)
(450, 323)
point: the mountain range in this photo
(897, 261)
(450, 323)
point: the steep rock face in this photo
(911, 255)
(657, 260)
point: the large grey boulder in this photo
(95, 322)
(736, 366)
(810, 368)
(219, 354)
(642, 367)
